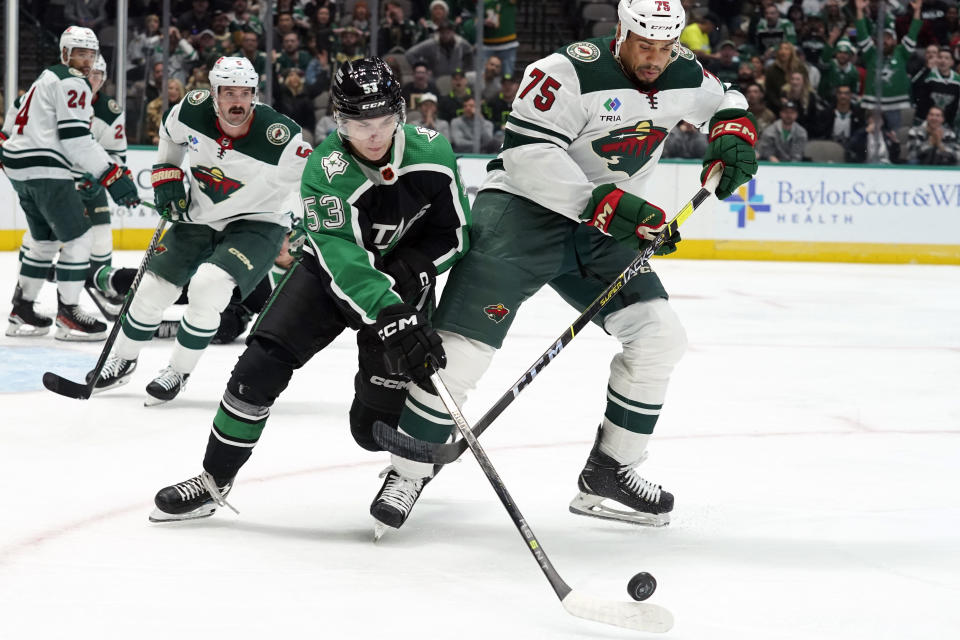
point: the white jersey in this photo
(245, 178)
(109, 129)
(50, 132)
(578, 122)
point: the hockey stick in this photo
(641, 616)
(408, 447)
(76, 390)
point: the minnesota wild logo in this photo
(214, 184)
(628, 148)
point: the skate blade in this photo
(585, 504)
(153, 402)
(114, 385)
(379, 529)
(69, 335)
(201, 512)
(26, 331)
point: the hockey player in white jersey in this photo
(51, 134)
(562, 205)
(244, 159)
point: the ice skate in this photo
(165, 387)
(24, 321)
(637, 501)
(76, 325)
(109, 302)
(395, 500)
(116, 372)
(167, 329)
(195, 498)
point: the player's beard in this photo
(641, 77)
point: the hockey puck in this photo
(641, 586)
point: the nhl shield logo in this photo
(278, 133)
(496, 312)
(387, 173)
(629, 148)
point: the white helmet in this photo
(653, 19)
(74, 37)
(233, 72)
(100, 66)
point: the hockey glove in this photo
(733, 134)
(169, 194)
(623, 216)
(88, 185)
(413, 272)
(411, 346)
(121, 186)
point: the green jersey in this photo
(355, 213)
(896, 83)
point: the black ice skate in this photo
(167, 329)
(116, 372)
(395, 500)
(109, 302)
(76, 325)
(197, 497)
(165, 387)
(24, 320)
(603, 478)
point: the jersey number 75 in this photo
(545, 99)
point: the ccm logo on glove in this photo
(741, 127)
(396, 326)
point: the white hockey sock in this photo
(626, 447)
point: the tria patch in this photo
(197, 96)
(629, 148)
(278, 133)
(583, 51)
(214, 184)
(113, 106)
(496, 312)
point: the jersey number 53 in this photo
(544, 100)
(333, 214)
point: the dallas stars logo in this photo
(214, 184)
(629, 148)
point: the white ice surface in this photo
(811, 436)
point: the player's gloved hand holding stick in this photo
(733, 134)
(628, 218)
(169, 194)
(120, 185)
(410, 343)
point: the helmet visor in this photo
(366, 130)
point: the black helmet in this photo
(367, 88)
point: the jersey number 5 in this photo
(545, 99)
(333, 217)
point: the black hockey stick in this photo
(76, 390)
(408, 447)
(641, 616)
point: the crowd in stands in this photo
(808, 69)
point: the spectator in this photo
(865, 147)
(293, 101)
(812, 39)
(498, 109)
(896, 83)
(155, 112)
(759, 71)
(444, 52)
(772, 30)
(349, 47)
(397, 33)
(451, 105)
(784, 63)
(326, 125)
(243, 21)
(439, 12)
(154, 82)
(199, 78)
(426, 115)
(934, 16)
(322, 31)
(685, 141)
(318, 73)
(249, 49)
(500, 32)
(296, 10)
(208, 50)
(725, 65)
(182, 56)
(813, 72)
(283, 24)
(917, 65)
(932, 143)
(291, 55)
(196, 19)
(461, 130)
(220, 25)
(798, 91)
(839, 69)
(757, 105)
(143, 44)
(784, 140)
(696, 36)
(359, 19)
(490, 81)
(833, 17)
(938, 86)
(744, 78)
(421, 83)
(86, 13)
(846, 117)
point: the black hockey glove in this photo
(121, 186)
(411, 346)
(412, 271)
(623, 216)
(169, 194)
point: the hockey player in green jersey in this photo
(562, 205)
(49, 136)
(245, 160)
(385, 213)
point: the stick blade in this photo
(640, 616)
(401, 444)
(67, 388)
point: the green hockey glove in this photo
(169, 194)
(88, 185)
(733, 134)
(121, 186)
(623, 216)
